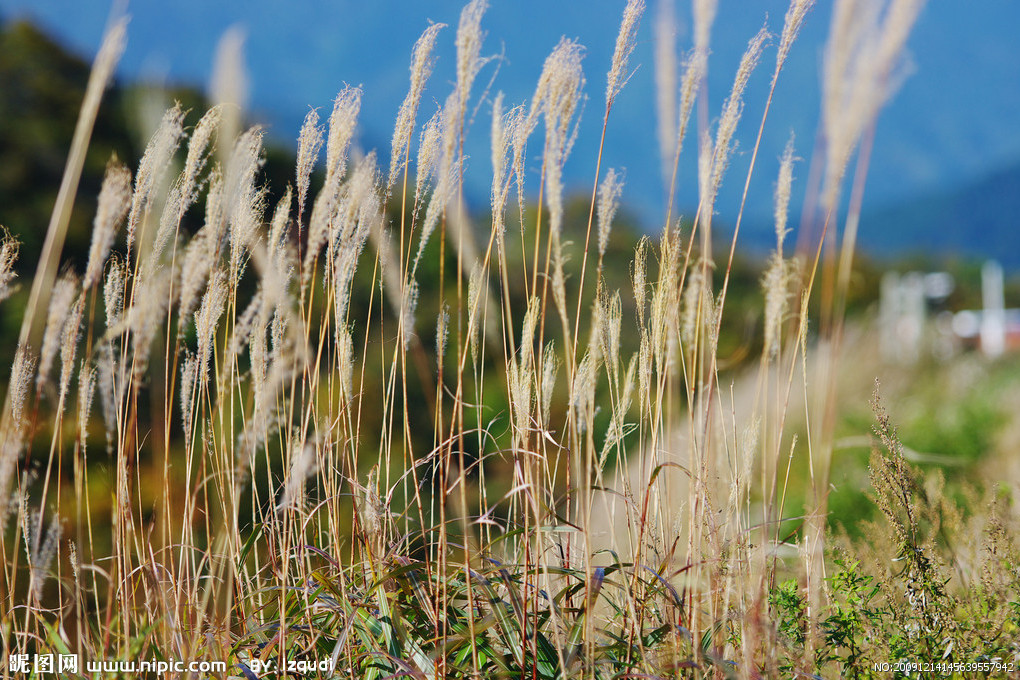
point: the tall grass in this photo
(354, 425)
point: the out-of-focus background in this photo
(944, 180)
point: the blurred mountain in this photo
(980, 219)
(42, 85)
(952, 119)
(42, 82)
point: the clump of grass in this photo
(550, 482)
(934, 577)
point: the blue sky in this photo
(953, 120)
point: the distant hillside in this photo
(980, 219)
(41, 88)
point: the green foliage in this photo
(854, 617)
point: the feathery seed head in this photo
(522, 124)
(732, 110)
(228, 86)
(617, 77)
(109, 389)
(501, 141)
(783, 187)
(664, 310)
(469, 47)
(559, 280)
(665, 84)
(442, 332)
(114, 203)
(476, 309)
(550, 368)
(451, 157)
(742, 475)
(22, 371)
(557, 98)
(358, 214)
(777, 293)
(342, 123)
(302, 466)
(277, 245)
(705, 163)
(609, 201)
(254, 318)
(598, 321)
(309, 146)
(696, 306)
(215, 206)
(582, 392)
(61, 301)
(199, 258)
(447, 173)
(421, 69)
(197, 157)
(616, 430)
(72, 557)
(69, 344)
(528, 330)
(611, 323)
(694, 74)
(645, 355)
(207, 320)
(522, 375)
(704, 15)
(639, 277)
(865, 44)
(43, 556)
(153, 166)
(245, 201)
(345, 361)
(430, 150)
(8, 256)
(189, 373)
(408, 307)
(520, 381)
(113, 292)
(168, 223)
(86, 391)
(795, 15)
(559, 90)
(147, 313)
